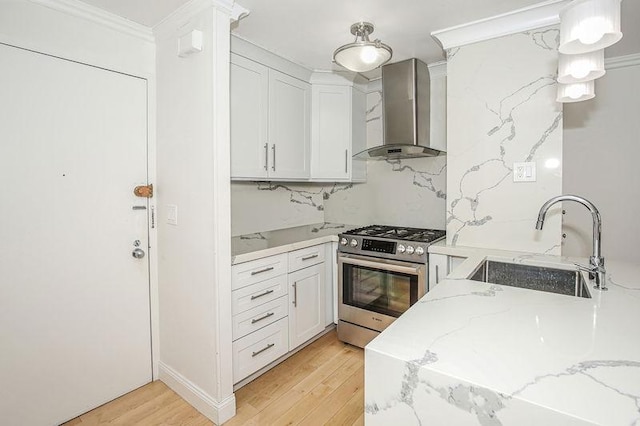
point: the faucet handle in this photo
(597, 273)
(580, 267)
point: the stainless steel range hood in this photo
(406, 112)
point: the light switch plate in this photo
(524, 172)
(172, 214)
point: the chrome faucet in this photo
(596, 261)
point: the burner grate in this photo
(398, 233)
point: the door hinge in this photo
(144, 191)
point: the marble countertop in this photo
(255, 246)
(479, 353)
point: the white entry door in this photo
(74, 302)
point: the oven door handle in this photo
(384, 266)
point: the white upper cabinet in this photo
(270, 123)
(289, 126)
(249, 116)
(337, 132)
(284, 128)
(331, 132)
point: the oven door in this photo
(373, 292)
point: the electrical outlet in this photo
(524, 172)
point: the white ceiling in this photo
(308, 31)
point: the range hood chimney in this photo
(406, 112)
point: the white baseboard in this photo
(216, 411)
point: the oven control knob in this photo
(409, 249)
(343, 241)
(354, 243)
(419, 251)
(401, 248)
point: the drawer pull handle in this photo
(270, 314)
(269, 346)
(270, 268)
(312, 256)
(261, 294)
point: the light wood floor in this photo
(321, 384)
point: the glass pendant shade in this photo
(362, 55)
(580, 68)
(576, 92)
(589, 25)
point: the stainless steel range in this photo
(382, 271)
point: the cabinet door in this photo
(331, 132)
(438, 269)
(289, 126)
(306, 304)
(249, 106)
(358, 135)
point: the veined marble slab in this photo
(472, 353)
(255, 246)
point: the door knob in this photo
(138, 253)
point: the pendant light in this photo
(589, 25)
(581, 67)
(362, 55)
(576, 92)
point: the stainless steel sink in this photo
(552, 280)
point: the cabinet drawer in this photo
(244, 274)
(258, 317)
(309, 256)
(258, 349)
(258, 294)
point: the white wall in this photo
(193, 174)
(501, 109)
(601, 148)
(72, 30)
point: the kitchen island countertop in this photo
(474, 353)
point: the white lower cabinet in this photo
(306, 304)
(441, 265)
(258, 317)
(278, 303)
(259, 348)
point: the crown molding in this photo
(181, 16)
(622, 61)
(99, 16)
(438, 69)
(536, 16)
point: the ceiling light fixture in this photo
(589, 25)
(576, 92)
(581, 67)
(362, 55)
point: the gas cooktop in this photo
(390, 242)
(399, 233)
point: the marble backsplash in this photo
(397, 192)
(501, 109)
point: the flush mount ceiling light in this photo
(362, 55)
(576, 92)
(589, 25)
(580, 68)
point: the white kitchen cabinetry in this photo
(337, 132)
(278, 303)
(259, 305)
(441, 265)
(249, 118)
(270, 123)
(306, 304)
